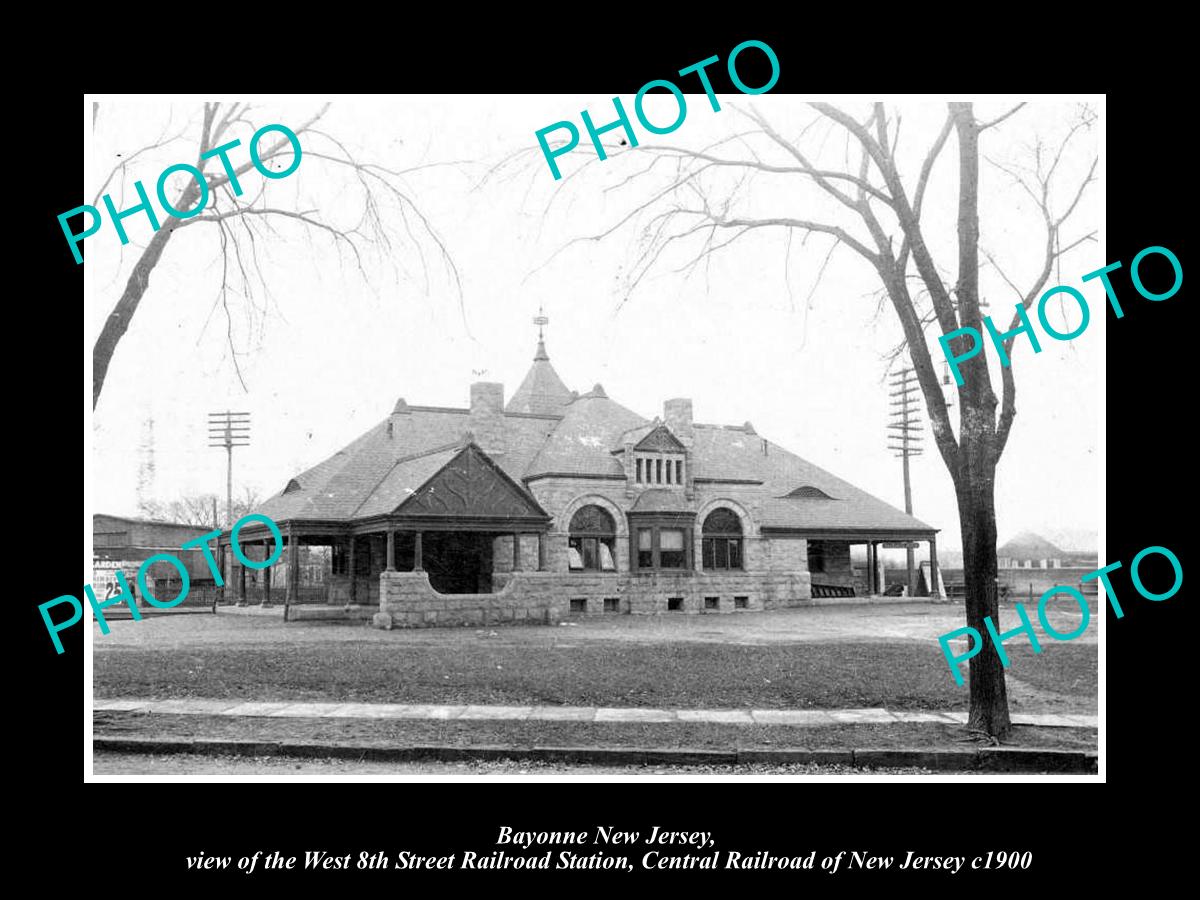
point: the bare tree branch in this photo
(217, 123)
(999, 119)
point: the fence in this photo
(256, 594)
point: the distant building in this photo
(123, 544)
(1029, 551)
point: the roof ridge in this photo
(445, 409)
(401, 459)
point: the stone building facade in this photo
(557, 504)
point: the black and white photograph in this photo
(472, 437)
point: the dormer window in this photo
(658, 469)
(658, 458)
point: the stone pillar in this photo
(516, 552)
(391, 549)
(353, 567)
(935, 589)
(542, 551)
(417, 565)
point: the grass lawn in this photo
(693, 735)
(809, 675)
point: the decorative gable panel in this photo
(471, 486)
(661, 440)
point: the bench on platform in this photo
(831, 590)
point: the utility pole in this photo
(229, 429)
(904, 439)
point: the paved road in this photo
(172, 765)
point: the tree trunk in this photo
(975, 491)
(122, 315)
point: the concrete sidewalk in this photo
(792, 717)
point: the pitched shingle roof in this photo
(375, 474)
(582, 442)
(542, 391)
(379, 467)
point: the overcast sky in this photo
(327, 353)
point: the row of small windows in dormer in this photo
(658, 470)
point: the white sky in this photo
(333, 352)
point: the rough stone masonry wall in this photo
(409, 601)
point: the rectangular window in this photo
(639, 471)
(579, 604)
(670, 547)
(612, 604)
(712, 602)
(674, 604)
(722, 553)
(679, 471)
(645, 548)
(658, 471)
(741, 602)
(669, 467)
(590, 553)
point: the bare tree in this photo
(243, 224)
(696, 198)
(199, 509)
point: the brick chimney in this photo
(678, 416)
(487, 416)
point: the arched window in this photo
(592, 541)
(722, 536)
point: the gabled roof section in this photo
(404, 479)
(733, 453)
(470, 485)
(581, 443)
(660, 439)
(1028, 545)
(379, 470)
(542, 392)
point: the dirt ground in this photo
(914, 621)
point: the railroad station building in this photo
(553, 503)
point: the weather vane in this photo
(541, 320)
